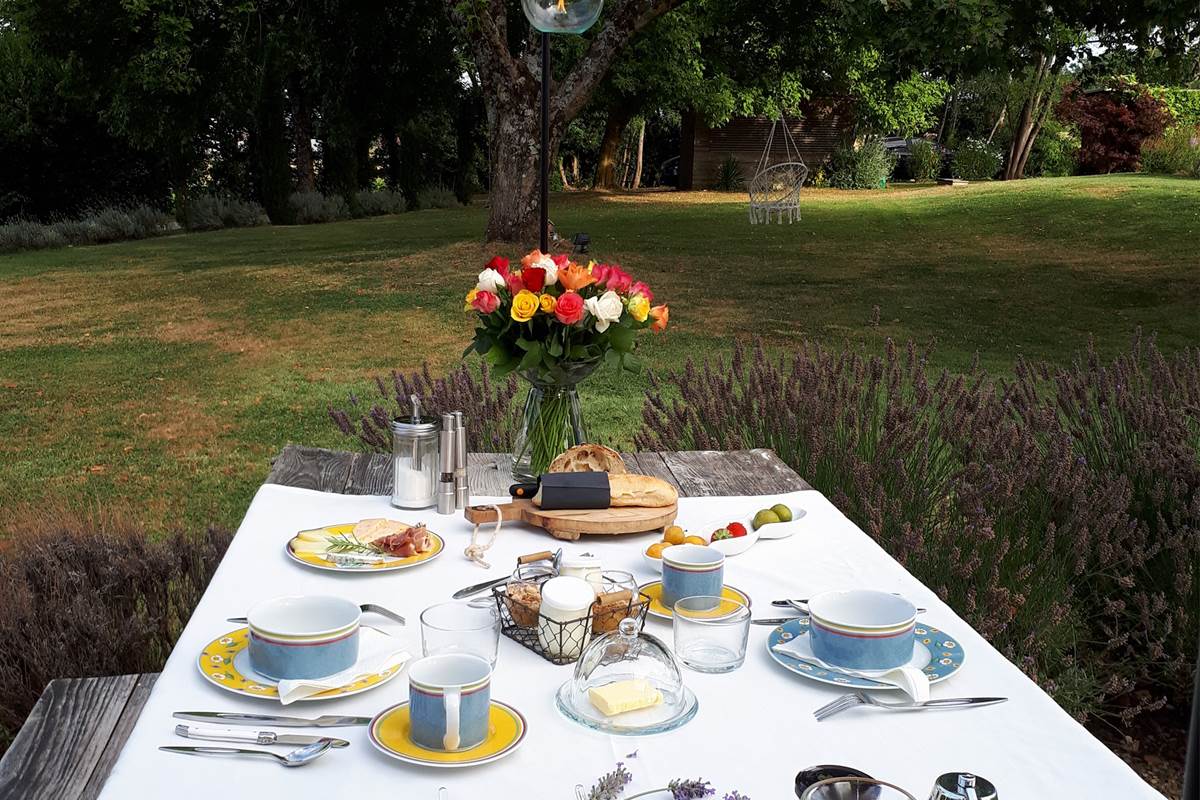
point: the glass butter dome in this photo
(628, 684)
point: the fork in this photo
(848, 701)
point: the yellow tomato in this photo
(655, 550)
(694, 540)
(674, 535)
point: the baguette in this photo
(640, 490)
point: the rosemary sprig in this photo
(349, 543)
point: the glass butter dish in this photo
(627, 670)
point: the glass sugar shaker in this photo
(415, 462)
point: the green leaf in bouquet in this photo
(621, 338)
(497, 354)
(612, 358)
(533, 354)
(527, 345)
(579, 352)
(554, 347)
(630, 363)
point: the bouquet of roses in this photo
(554, 321)
(552, 314)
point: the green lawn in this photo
(157, 378)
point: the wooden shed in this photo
(825, 124)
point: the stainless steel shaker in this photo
(462, 487)
(962, 786)
(445, 487)
(415, 460)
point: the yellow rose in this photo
(524, 306)
(470, 299)
(639, 307)
(548, 302)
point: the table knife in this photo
(256, 737)
(270, 719)
(773, 620)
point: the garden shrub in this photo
(1057, 512)
(493, 412)
(924, 161)
(377, 202)
(28, 234)
(109, 224)
(311, 208)
(92, 597)
(438, 196)
(1176, 152)
(1053, 153)
(729, 175)
(1183, 104)
(210, 212)
(1113, 124)
(865, 167)
(976, 160)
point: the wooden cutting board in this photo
(569, 524)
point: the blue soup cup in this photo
(303, 637)
(862, 629)
(450, 699)
(691, 570)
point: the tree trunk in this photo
(270, 145)
(999, 122)
(302, 136)
(562, 174)
(610, 143)
(513, 165)
(1034, 110)
(641, 149)
(391, 147)
(575, 167)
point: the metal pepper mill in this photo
(962, 786)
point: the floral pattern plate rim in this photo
(946, 657)
(388, 732)
(224, 663)
(391, 565)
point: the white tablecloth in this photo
(754, 730)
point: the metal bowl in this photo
(807, 777)
(854, 789)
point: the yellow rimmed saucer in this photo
(389, 732)
(317, 561)
(653, 590)
(225, 663)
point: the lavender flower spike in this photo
(610, 786)
(681, 789)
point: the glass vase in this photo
(551, 422)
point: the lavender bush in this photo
(90, 597)
(492, 418)
(1058, 512)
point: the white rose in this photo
(606, 309)
(551, 268)
(490, 281)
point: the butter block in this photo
(621, 696)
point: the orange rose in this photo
(660, 315)
(574, 277)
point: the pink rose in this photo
(485, 302)
(515, 284)
(619, 280)
(639, 287)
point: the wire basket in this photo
(561, 642)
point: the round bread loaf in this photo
(588, 458)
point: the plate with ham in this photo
(369, 545)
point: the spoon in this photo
(801, 605)
(367, 608)
(296, 758)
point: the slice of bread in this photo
(589, 458)
(368, 530)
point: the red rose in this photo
(641, 288)
(569, 308)
(515, 284)
(499, 264)
(534, 278)
(485, 302)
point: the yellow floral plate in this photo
(653, 590)
(317, 561)
(389, 732)
(225, 663)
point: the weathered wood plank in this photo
(311, 468)
(370, 473)
(703, 473)
(65, 738)
(489, 474)
(116, 741)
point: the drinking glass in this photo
(461, 627)
(711, 633)
(612, 580)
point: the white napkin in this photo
(910, 680)
(376, 652)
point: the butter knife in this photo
(255, 737)
(326, 721)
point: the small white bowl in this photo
(655, 564)
(737, 545)
(775, 530)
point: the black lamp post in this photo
(554, 16)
